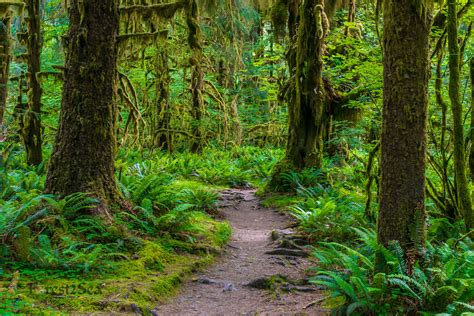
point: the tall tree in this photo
(163, 137)
(471, 157)
(306, 106)
(83, 156)
(463, 196)
(406, 75)
(31, 131)
(5, 57)
(197, 76)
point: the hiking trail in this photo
(262, 270)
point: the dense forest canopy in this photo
(130, 129)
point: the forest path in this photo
(237, 283)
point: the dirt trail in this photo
(224, 288)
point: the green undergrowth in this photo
(133, 260)
(238, 167)
(57, 256)
(142, 282)
(329, 205)
(325, 202)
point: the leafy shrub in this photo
(325, 215)
(442, 284)
(199, 199)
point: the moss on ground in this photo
(181, 184)
(281, 201)
(140, 282)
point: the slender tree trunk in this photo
(464, 199)
(84, 153)
(350, 17)
(403, 145)
(5, 58)
(197, 76)
(236, 124)
(164, 136)
(471, 157)
(306, 107)
(449, 203)
(32, 128)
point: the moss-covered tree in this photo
(406, 75)
(5, 58)
(163, 137)
(463, 196)
(197, 76)
(306, 106)
(31, 131)
(83, 156)
(471, 157)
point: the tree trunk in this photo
(306, 106)
(197, 76)
(5, 58)
(464, 199)
(351, 15)
(471, 156)
(403, 145)
(83, 156)
(163, 137)
(31, 132)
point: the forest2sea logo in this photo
(80, 288)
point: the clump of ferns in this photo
(143, 188)
(295, 181)
(325, 214)
(199, 200)
(57, 233)
(443, 283)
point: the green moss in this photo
(153, 257)
(22, 243)
(151, 275)
(182, 184)
(281, 201)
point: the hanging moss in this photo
(163, 10)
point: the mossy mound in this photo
(137, 283)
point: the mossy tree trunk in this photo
(83, 156)
(5, 58)
(471, 156)
(306, 105)
(197, 75)
(403, 145)
(463, 196)
(164, 137)
(31, 132)
(351, 15)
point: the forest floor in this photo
(262, 271)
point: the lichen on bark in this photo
(84, 153)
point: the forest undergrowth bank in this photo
(141, 255)
(55, 250)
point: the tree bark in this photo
(306, 106)
(163, 139)
(5, 58)
(31, 132)
(84, 153)
(403, 144)
(463, 197)
(197, 76)
(471, 156)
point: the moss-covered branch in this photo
(164, 10)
